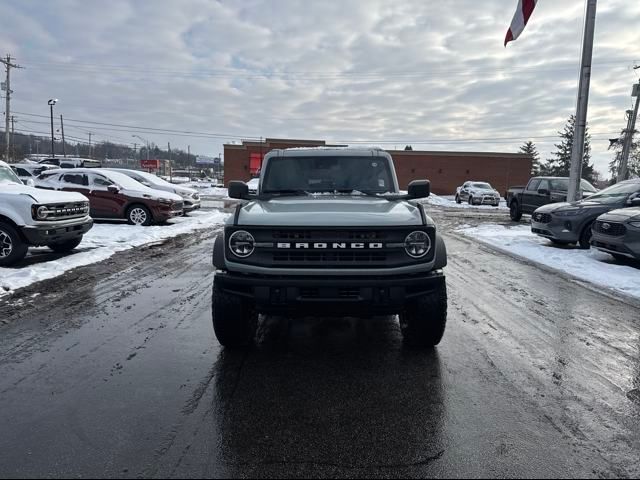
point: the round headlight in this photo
(417, 244)
(43, 212)
(242, 244)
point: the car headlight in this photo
(42, 213)
(635, 224)
(166, 201)
(242, 244)
(417, 244)
(568, 213)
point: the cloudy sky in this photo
(430, 73)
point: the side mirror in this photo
(419, 189)
(544, 191)
(239, 190)
(113, 189)
(634, 202)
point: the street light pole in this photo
(51, 103)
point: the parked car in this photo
(190, 196)
(114, 195)
(567, 223)
(330, 233)
(71, 162)
(618, 233)
(32, 217)
(253, 185)
(28, 172)
(541, 191)
(478, 193)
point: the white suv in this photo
(33, 217)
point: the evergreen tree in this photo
(633, 163)
(529, 148)
(408, 147)
(560, 164)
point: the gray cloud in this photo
(381, 70)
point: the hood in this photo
(145, 192)
(184, 190)
(42, 196)
(582, 204)
(484, 191)
(335, 211)
(621, 215)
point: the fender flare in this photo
(218, 253)
(441, 253)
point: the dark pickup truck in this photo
(541, 191)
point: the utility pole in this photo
(628, 139)
(13, 136)
(189, 160)
(170, 167)
(8, 65)
(577, 152)
(64, 148)
(90, 144)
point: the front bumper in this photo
(50, 234)
(563, 229)
(627, 245)
(166, 212)
(486, 200)
(315, 296)
(190, 206)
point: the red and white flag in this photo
(520, 19)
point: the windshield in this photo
(124, 181)
(328, 174)
(562, 185)
(616, 193)
(8, 176)
(151, 178)
(482, 185)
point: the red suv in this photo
(113, 195)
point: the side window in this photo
(100, 181)
(76, 179)
(22, 172)
(533, 184)
(544, 184)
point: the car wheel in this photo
(620, 258)
(12, 248)
(235, 321)
(470, 200)
(585, 237)
(458, 201)
(139, 215)
(514, 211)
(424, 321)
(65, 247)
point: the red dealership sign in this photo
(150, 164)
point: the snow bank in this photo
(587, 265)
(102, 241)
(450, 202)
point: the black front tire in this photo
(620, 258)
(65, 247)
(458, 201)
(139, 215)
(235, 321)
(424, 321)
(514, 211)
(585, 237)
(12, 247)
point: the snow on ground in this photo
(103, 241)
(450, 201)
(587, 265)
(207, 189)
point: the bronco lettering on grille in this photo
(324, 246)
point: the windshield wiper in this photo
(286, 193)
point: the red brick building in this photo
(446, 170)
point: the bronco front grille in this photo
(323, 248)
(67, 211)
(610, 228)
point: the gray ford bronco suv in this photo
(329, 233)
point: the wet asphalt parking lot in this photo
(113, 370)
